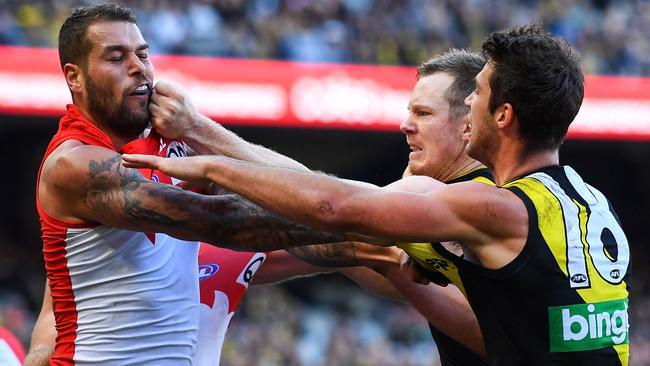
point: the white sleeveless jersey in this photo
(119, 297)
(136, 300)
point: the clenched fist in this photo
(172, 112)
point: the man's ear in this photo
(74, 77)
(504, 115)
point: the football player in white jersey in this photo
(119, 246)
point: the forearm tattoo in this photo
(241, 225)
(215, 189)
(227, 220)
(328, 255)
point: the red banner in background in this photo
(289, 94)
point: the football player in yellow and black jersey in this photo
(433, 130)
(546, 265)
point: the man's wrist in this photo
(194, 128)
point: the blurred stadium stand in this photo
(326, 320)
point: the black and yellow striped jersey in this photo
(441, 271)
(563, 300)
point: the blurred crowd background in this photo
(612, 35)
(328, 321)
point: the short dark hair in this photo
(463, 65)
(541, 77)
(73, 42)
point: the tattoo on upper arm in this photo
(100, 192)
(111, 185)
(328, 255)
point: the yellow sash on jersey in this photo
(427, 257)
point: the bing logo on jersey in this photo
(207, 270)
(583, 327)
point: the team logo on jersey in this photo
(584, 327)
(155, 178)
(438, 264)
(176, 149)
(207, 270)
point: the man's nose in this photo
(136, 66)
(468, 100)
(407, 126)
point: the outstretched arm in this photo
(44, 334)
(281, 266)
(444, 307)
(464, 211)
(89, 183)
(174, 116)
(347, 254)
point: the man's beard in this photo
(483, 148)
(114, 115)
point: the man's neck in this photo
(508, 167)
(465, 167)
(118, 141)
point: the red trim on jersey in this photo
(150, 145)
(13, 343)
(75, 126)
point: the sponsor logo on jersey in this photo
(584, 327)
(207, 270)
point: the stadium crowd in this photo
(612, 35)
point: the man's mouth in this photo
(415, 150)
(143, 89)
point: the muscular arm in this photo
(281, 266)
(444, 307)
(174, 116)
(43, 335)
(89, 183)
(373, 282)
(347, 254)
(491, 220)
